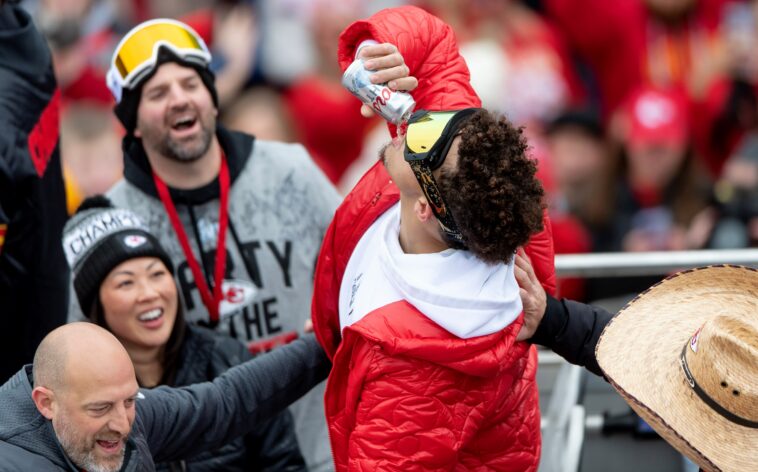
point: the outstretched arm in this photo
(180, 422)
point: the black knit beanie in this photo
(97, 239)
(126, 109)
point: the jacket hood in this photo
(466, 318)
(237, 147)
(23, 426)
(453, 288)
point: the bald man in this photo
(78, 407)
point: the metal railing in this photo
(620, 264)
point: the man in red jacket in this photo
(429, 374)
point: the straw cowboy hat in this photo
(684, 355)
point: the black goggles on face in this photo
(428, 139)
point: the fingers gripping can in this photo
(395, 107)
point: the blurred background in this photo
(642, 114)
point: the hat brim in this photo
(639, 353)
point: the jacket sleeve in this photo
(572, 330)
(324, 304)
(429, 49)
(180, 422)
(32, 195)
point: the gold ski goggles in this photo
(137, 53)
(428, 138)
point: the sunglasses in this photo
(428, 138)
(137, 53)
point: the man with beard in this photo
(78, 407)
(245, 216)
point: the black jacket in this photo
(271, 447)
(33, 271)
(572, 330)
(170, 423)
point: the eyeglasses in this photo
(137, 53)
(427, 141)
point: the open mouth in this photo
(110, 446)
(183, 123)
(151, 315)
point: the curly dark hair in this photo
(493, 194)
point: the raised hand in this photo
(389, 67)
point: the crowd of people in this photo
(638, 114)
(245, 208)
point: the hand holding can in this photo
(383, 64)
(387, 66)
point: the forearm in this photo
(201, 417)
(572, 330)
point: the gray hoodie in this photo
(171, 423)
(280, 205)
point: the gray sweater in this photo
(171, 423)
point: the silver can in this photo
(395, 107)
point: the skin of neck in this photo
(187, 175)
(148, 364)
(419, 229)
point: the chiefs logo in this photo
(134, 240)
(236, 295)
(694, 339)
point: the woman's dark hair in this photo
(493, 194)
(171, 353)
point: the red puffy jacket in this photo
(410, 395)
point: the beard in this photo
(186, 150)
(81, 451)
(183, 152)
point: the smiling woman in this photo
(139, 304)
(123, 279)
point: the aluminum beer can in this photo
(395, 107)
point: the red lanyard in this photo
(211, 302)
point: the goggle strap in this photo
(437, 203)
(193, 56)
